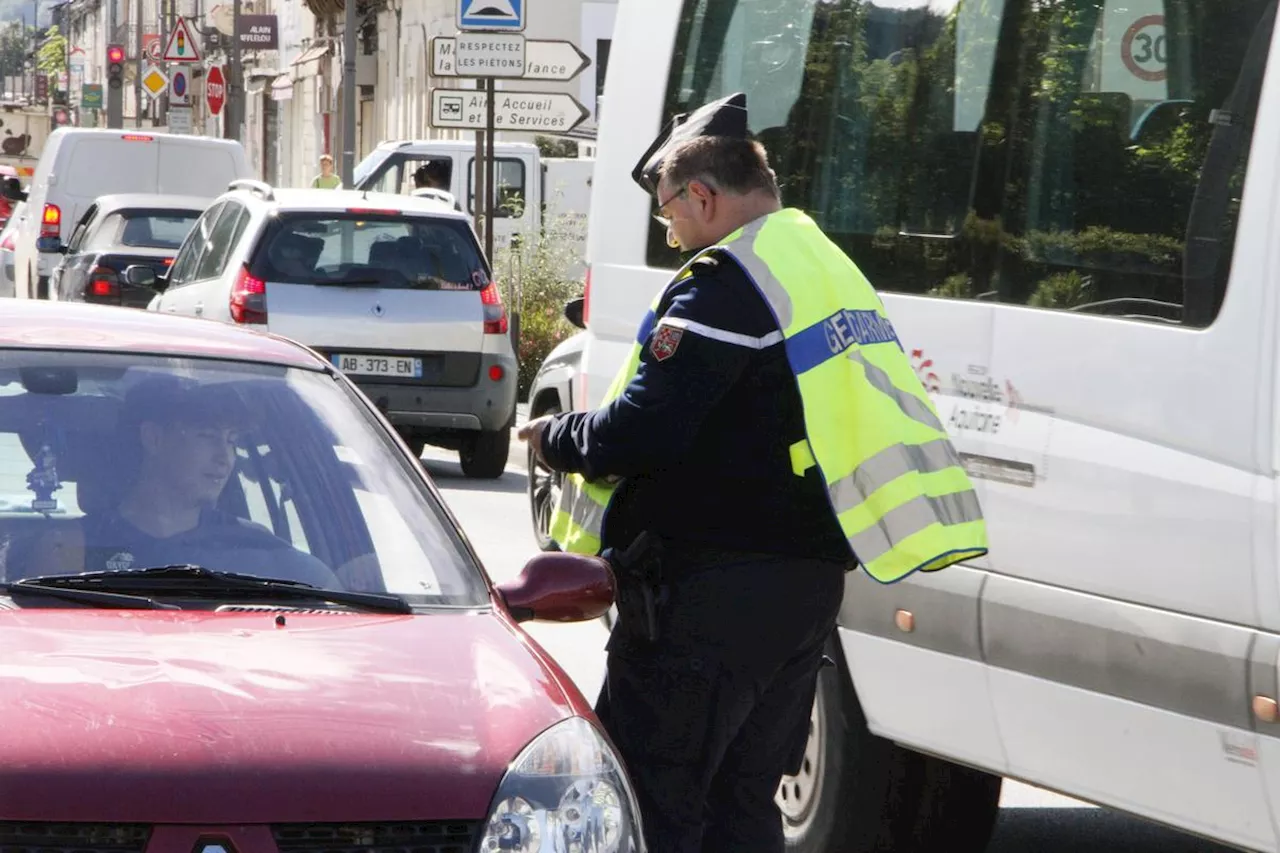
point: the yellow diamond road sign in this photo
(154, 81)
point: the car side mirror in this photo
(50, 245)
(557, 586)
(141, 275)
(12, 190)
(573, 312)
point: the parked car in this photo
(77, 165)
(393, 290)
(216, 702)
(551, 393)
(116, 232)
(7, 234)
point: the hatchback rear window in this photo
(376, 250)
(145, 229)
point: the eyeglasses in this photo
(665, 221)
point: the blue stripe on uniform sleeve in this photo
(830, 337)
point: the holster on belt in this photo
(638, 570)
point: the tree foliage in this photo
(52, 55)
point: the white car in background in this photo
(394, 291)
(552, 392)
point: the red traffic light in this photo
(115, 53)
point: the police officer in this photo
(766, 435)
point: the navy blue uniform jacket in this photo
(703, 432)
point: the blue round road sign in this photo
(179, 83)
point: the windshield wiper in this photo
(186, 577)
(38, 586)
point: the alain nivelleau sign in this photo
(259, 32)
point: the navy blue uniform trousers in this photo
(711, 716)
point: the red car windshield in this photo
(118, 462)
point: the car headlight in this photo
(565, 793)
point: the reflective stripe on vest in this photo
(894, 480)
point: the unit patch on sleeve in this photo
(665, 341)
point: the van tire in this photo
(484, 455)
(868, 794)
(42, 287)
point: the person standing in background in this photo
(326, 180)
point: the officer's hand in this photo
(532, 432)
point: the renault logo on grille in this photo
(377, 309)
(214, 845)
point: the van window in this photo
(508, 176)
(402, 173)
(1083, 155)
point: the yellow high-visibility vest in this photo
(895, 482)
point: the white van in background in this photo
(80, 164)
(534, 193)
(1070, 209)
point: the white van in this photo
(1070, 209)
(80, 164)
(534, 193)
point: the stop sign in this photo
(215, 90)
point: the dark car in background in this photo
(118, 231)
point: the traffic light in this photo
(115, 66)
(115, 85)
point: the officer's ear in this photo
(703, 197)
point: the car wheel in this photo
(410, 437)
(857, 793)
(484, 455)
(544, 490)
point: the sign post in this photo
(489, 46)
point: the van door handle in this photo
(199, 309)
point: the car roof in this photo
(37, 324)
(341, 200)
(164, 201)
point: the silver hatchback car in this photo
(394, 291)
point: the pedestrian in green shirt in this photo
(326, 180)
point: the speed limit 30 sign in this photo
(1144, 49)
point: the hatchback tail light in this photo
(51, 221)
(249, 299)
(495, 314)
(103, 286)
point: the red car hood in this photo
(229, 719)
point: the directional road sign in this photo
(466, 109)
(154, 81)
(502, 15)
(490, 54)
(543, 59)
(182, 45)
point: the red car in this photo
(237, 617)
